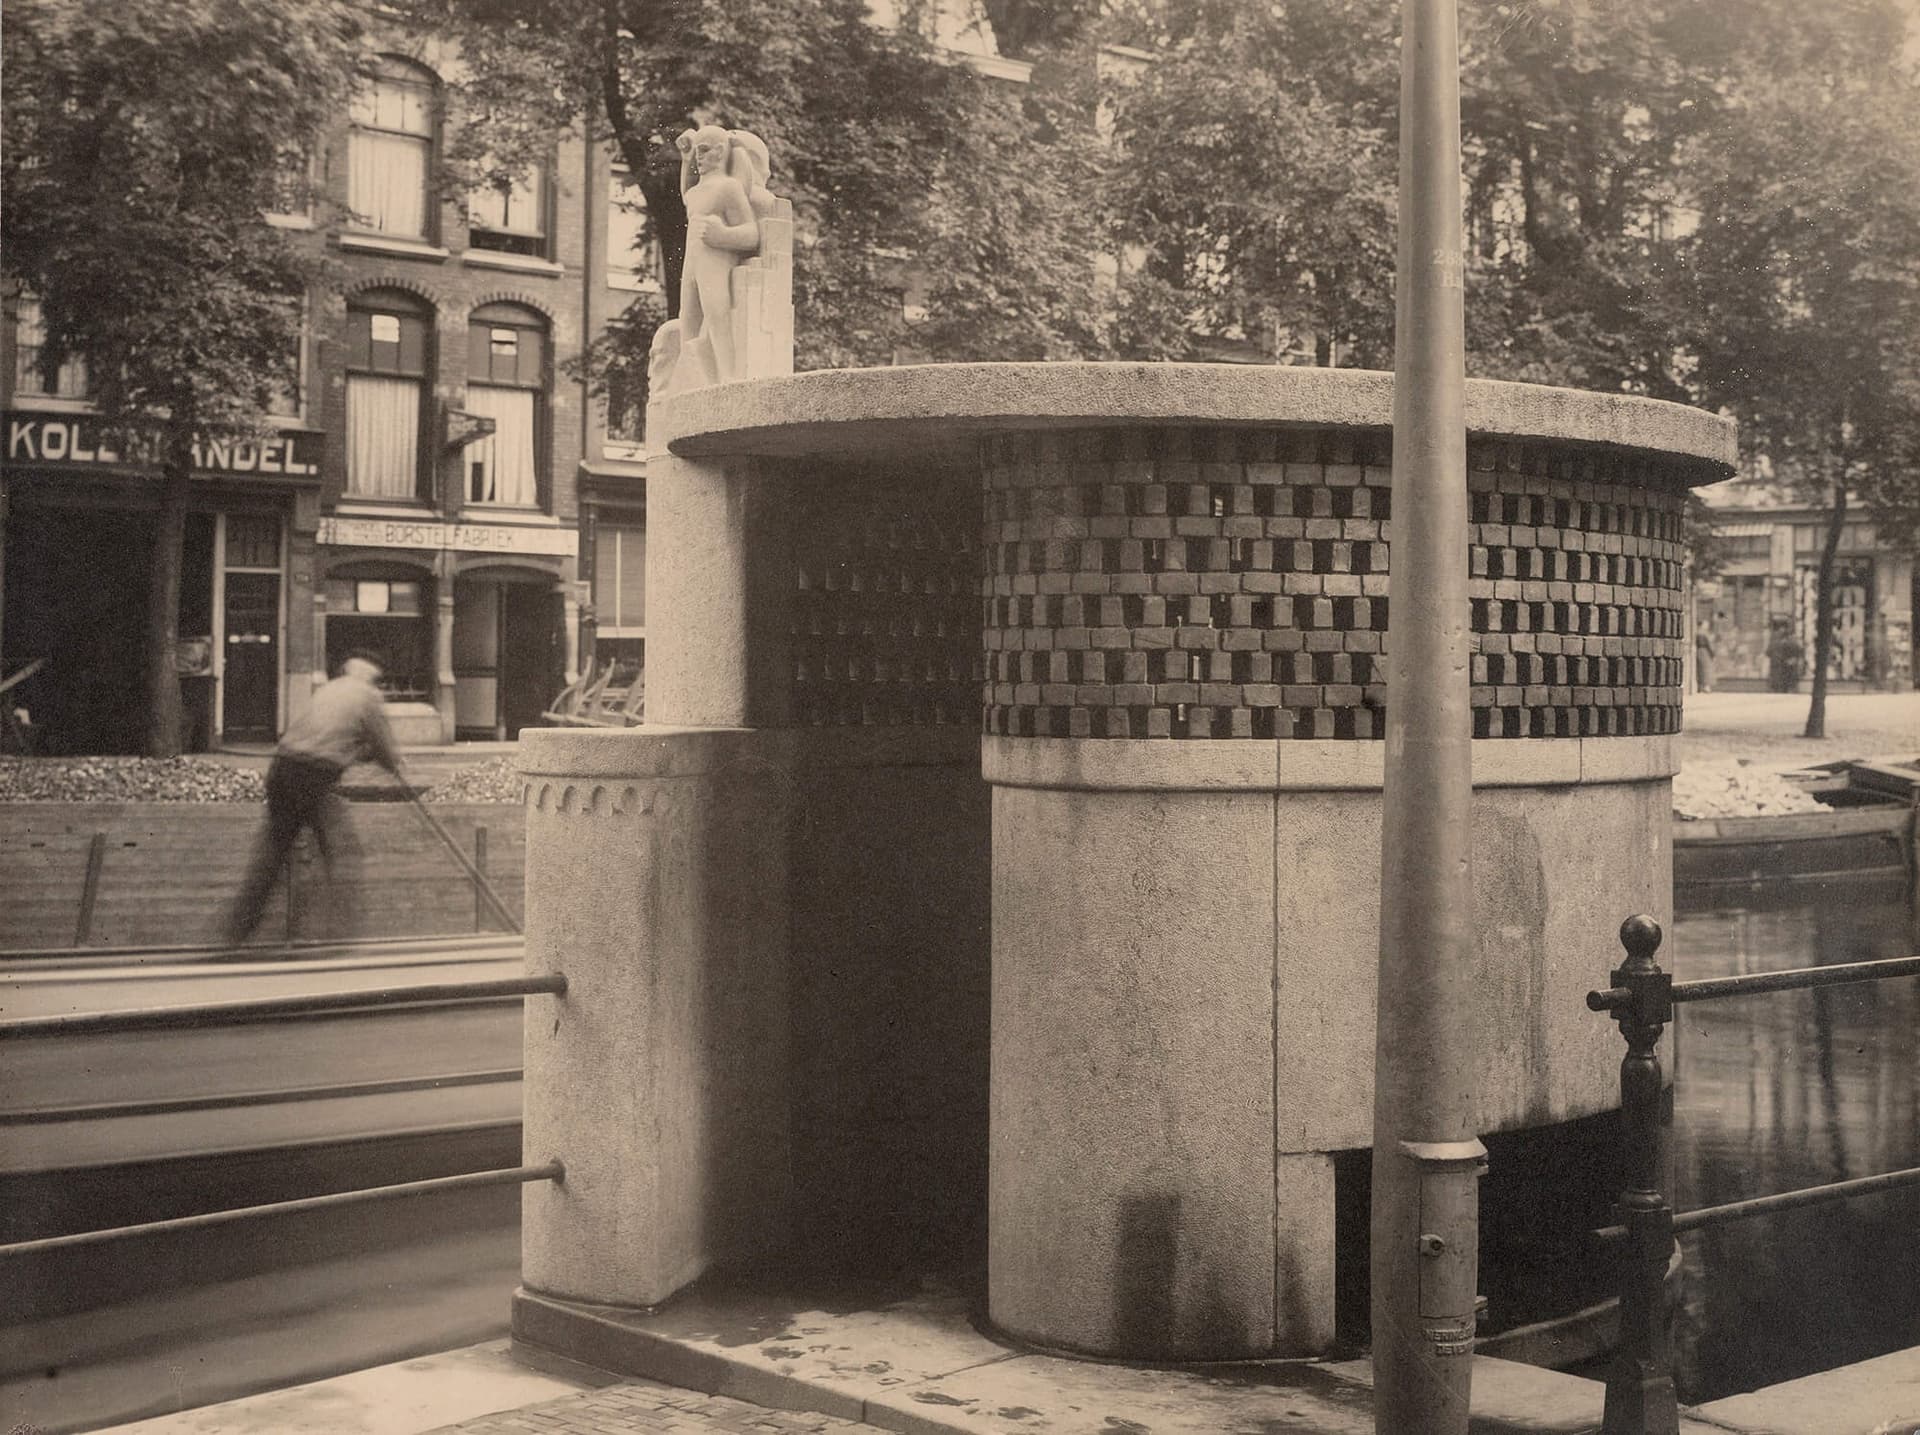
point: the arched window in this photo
(507, 382)
(387, 333)
(390, 153)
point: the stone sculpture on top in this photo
(736, 286)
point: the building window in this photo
(626, 399)
(387, 617)
(511, 217)
(253, 541)
(291, 195)
(386, 382)
(29, 338)
(619, 580)
(506, 382)
(390, 153)
(633, 256)
(284, 399)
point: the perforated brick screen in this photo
(1191, 583)
(884, 625)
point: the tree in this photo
(1712, 201)
(133, 209)
(1574, 115)
(937, 213)
(1800, 291)
(1252, 188)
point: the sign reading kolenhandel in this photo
(82, 441)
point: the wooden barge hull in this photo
(1730, 852)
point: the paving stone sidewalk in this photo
(644, 1405)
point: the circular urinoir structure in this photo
(1184, 598)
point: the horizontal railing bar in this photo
(233, 1100)
(1840, 973)
(1796, 979)
(1784, 1201)
(266, 951)
(504, 1176)
(273, 1008)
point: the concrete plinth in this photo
(656, 883)
(1183, 1015)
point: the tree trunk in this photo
(1823, 610)
(163, 597)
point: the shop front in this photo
(78, 523)
(1760, 610)
(474, 624)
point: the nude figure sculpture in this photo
(724, 281)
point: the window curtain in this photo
(383, 436)
(504, 461)
(29, 336)
(387, 183)
(515, 208)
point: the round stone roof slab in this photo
(926, 407)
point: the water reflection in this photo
(1795, 1089)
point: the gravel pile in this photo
(495, 780)
(1733, 789)
(126, 779)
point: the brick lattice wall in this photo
(1190, 583)
(883, 625)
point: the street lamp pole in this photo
(1426, 1156)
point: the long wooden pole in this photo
(1426, 1157)
(500, 908)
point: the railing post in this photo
(1640, 1395)
(90, 889)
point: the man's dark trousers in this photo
(299, 795)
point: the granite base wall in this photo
(772, 1053)
(1183, 1031)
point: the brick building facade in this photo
(433, 491)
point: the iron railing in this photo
(1640, 1391)
(275, 1009)
(108, 1023)
(177, 1225)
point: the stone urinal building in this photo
(998, 874)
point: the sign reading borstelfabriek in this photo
(458, 537)
(82, 441)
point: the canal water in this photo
(1786, 1090)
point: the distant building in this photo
(1770, 545)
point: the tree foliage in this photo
(1252, 192)
(936, 214)
(134, 201)
(1798, 296)
(144, 140)
(1713, 201)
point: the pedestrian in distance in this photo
(1702, 659)
(345, 723)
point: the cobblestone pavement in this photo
(643, 1405)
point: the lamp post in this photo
(1426, 1156)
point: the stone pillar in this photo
(443, 678)
(319, 673)
(717, 569)
(656, 882)
(570, 600)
